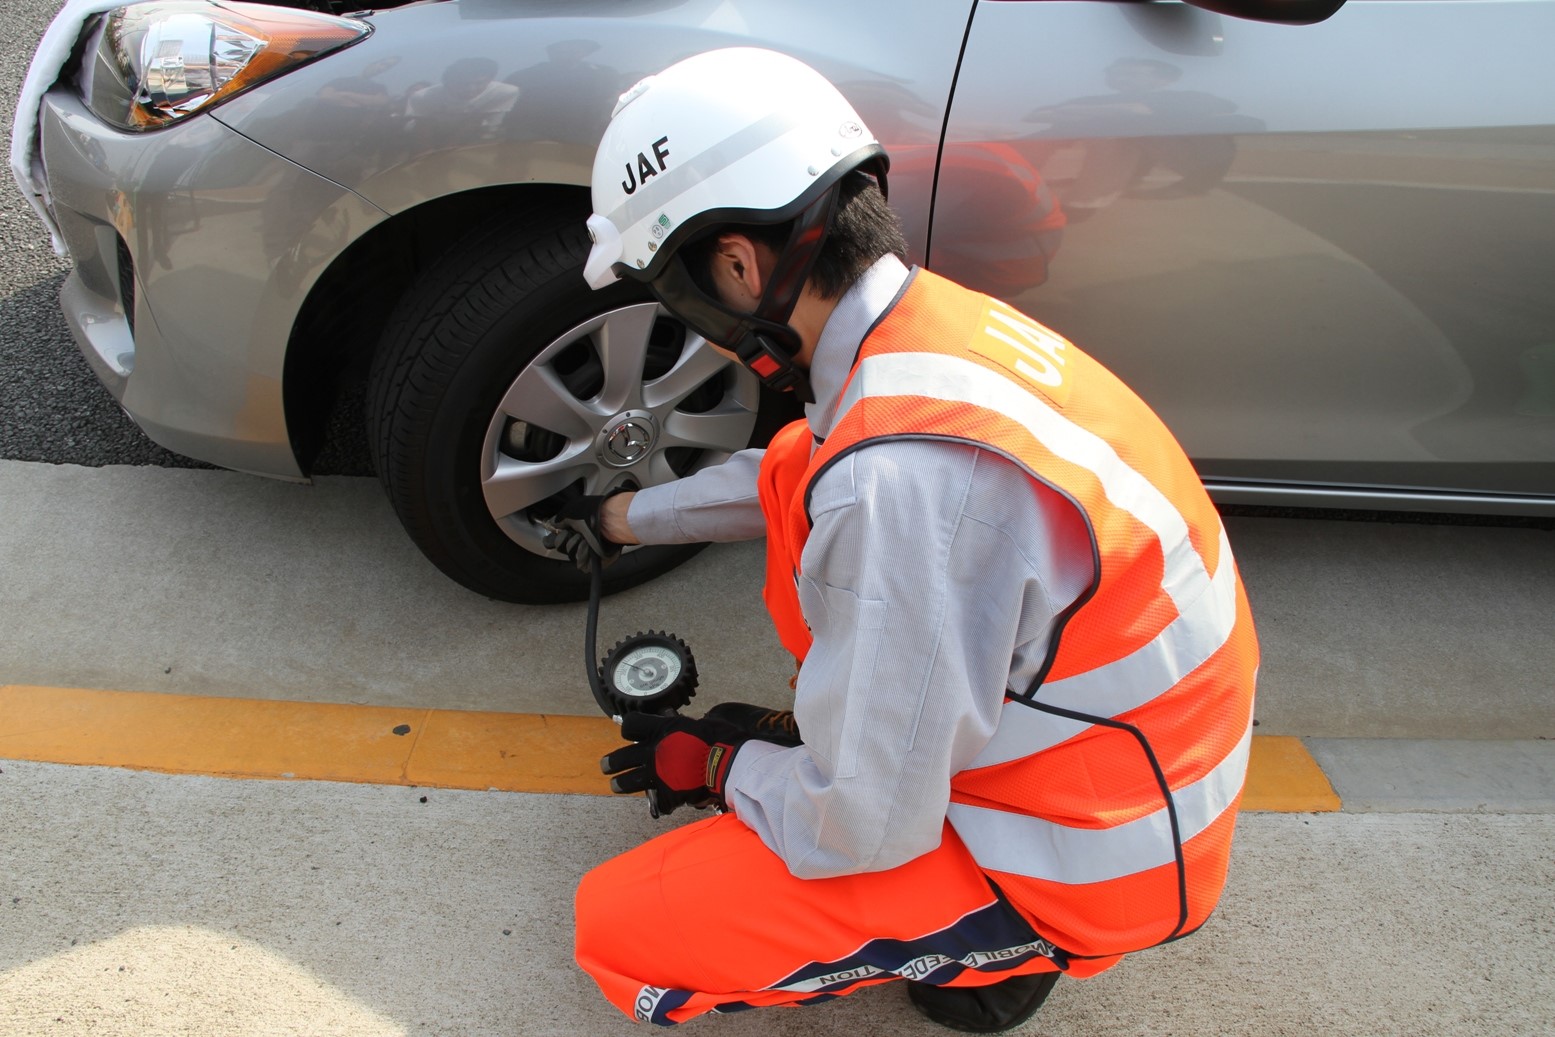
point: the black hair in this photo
(863, 229)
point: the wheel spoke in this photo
(726, 429)
(517, 485)
(539, 397)
(623, 350)
(696, 365)
(659, 471)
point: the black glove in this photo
(770, 725)
(677, 760)
(575, 532)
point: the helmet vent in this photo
(637, 90)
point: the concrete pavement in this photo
(1413, 660)
(139, 903)
(217, 583)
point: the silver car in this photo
(1323, 252)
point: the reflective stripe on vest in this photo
(1206, 607)
(1115, 688)
(935, 376)
(1023, 845)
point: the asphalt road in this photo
(52, 408)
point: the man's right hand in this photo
(612, 517)
(575, 531)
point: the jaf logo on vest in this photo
(1019, 344)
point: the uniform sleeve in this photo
(928, 577)
(720, 503)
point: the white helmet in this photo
(740, 135)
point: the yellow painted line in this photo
(393, 745)
(1283, 776)
(256, 738)
(513, 752)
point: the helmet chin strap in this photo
(763, 340)
(761, 351)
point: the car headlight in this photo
(151, 64)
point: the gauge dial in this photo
(651, 671)
(647, 670)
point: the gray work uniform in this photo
(931, 581)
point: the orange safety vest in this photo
(1105, 802)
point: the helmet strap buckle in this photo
(774, 364)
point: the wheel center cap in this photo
(627, 438)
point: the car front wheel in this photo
(504, 385)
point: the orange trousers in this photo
(706, 918)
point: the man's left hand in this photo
(676, 760)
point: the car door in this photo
(1323, 253)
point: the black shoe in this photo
(988, 1009)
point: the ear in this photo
(737, 271)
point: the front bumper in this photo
(193, 251)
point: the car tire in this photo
(491, 397)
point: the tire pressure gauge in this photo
(649, 672)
